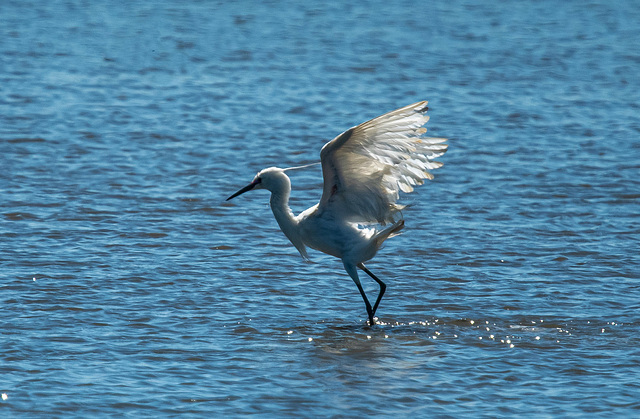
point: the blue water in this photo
(130, 288)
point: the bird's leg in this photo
(383, 286)
(367, 304)
(353, 273)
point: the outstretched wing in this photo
(366, 166)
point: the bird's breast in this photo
(331, 236)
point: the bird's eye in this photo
(259, 180)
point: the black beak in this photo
(243, 190)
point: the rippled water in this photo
(130, 288)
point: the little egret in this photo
(364, 168)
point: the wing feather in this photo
(365, 167)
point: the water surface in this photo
(129, 287)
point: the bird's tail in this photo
(391, 231)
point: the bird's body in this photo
(364, 168)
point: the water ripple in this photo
(131, 288)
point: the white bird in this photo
(364, 169)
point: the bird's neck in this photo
(286, 220)
(284, 216)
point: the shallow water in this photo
(129, 287)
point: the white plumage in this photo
(366, 166)
(364, 169)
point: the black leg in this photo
(366, 303)
(383, 288)
(353, 273)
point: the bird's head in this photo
(272, 179)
